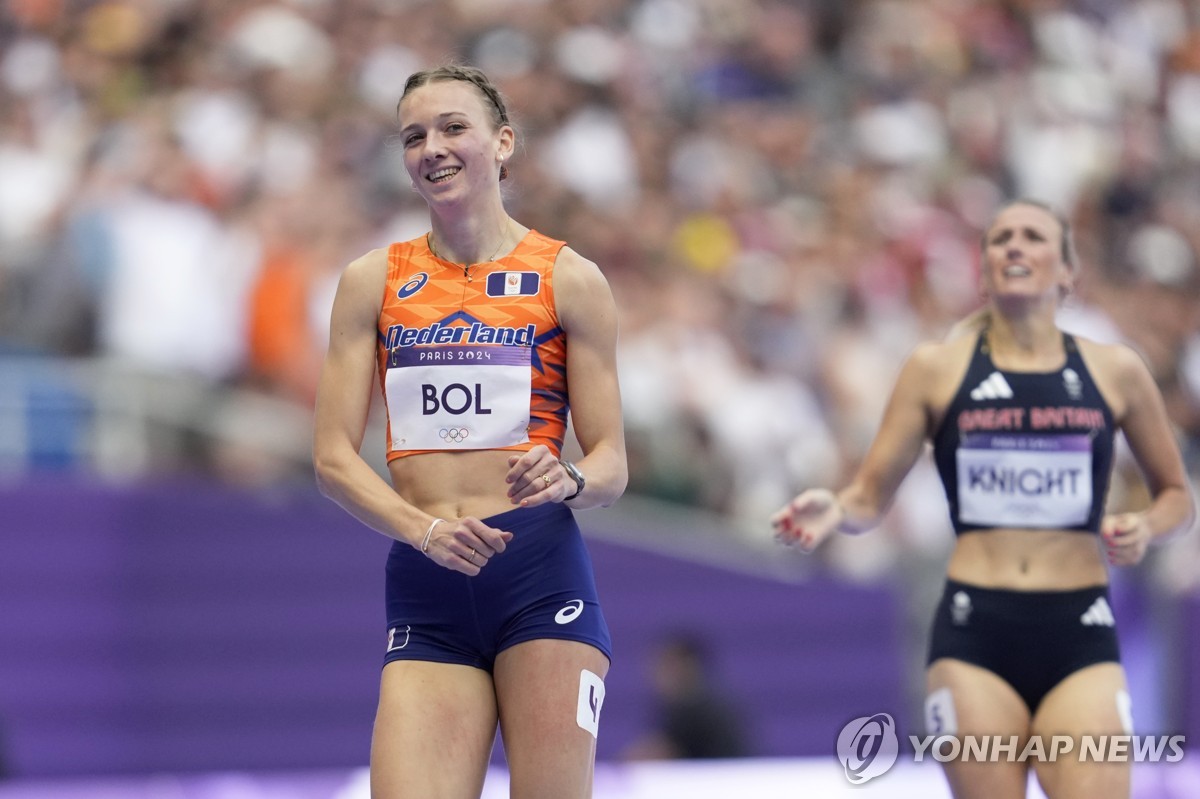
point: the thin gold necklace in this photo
(466, 268)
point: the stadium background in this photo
(785, 197)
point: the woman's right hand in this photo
(464, 545)
(808, 519)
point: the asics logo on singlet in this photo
(570, 613)
(474, 333)
(455, 434)
(994, 386)
(1098, 615)
(414, 284)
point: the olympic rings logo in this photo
(455, 434)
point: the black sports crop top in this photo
(1026, 449)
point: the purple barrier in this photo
(1190, 670)
(798, 660)
(184, 627)
(195, 627)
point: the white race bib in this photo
(458, 396)
(1018, 480)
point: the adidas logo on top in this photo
(994, 386)
(1098, 615)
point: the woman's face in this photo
(452, 148)
(1023, 255)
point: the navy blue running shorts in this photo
(541, 586)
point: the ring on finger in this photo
(546, 479)
(471, 557)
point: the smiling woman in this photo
(1022, 418)
(489, 585)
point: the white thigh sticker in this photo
(940, 718)
(591, 697)
(1125, 711)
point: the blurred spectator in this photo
(785, 196)
(694, 718)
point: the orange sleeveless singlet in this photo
(472, 363)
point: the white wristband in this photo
(428, 533)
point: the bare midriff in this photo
(451, 485)
(1028, 560)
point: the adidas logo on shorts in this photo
(994, 386)
(1098, 615)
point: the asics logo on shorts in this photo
(455, 434)
(1098, 615)
(570, 613)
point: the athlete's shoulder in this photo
(934, 371)
(573, 267)
(541, 243)
(1112, 362)
(582, 294)
(970, 326)
(1120, 373)
(941, 356)
(371, 265)
(1107, 354)
(414, 252)
(360, 288)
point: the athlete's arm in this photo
(588, 315)
(816, 513)
(343, 402)
(1142, 416)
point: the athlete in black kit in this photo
(1022, 419)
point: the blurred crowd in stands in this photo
(786, 195)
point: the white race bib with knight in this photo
(1019, 480)
(456, 397)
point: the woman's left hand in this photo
(536, 477)
(1125, 537)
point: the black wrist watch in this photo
(573, 472)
